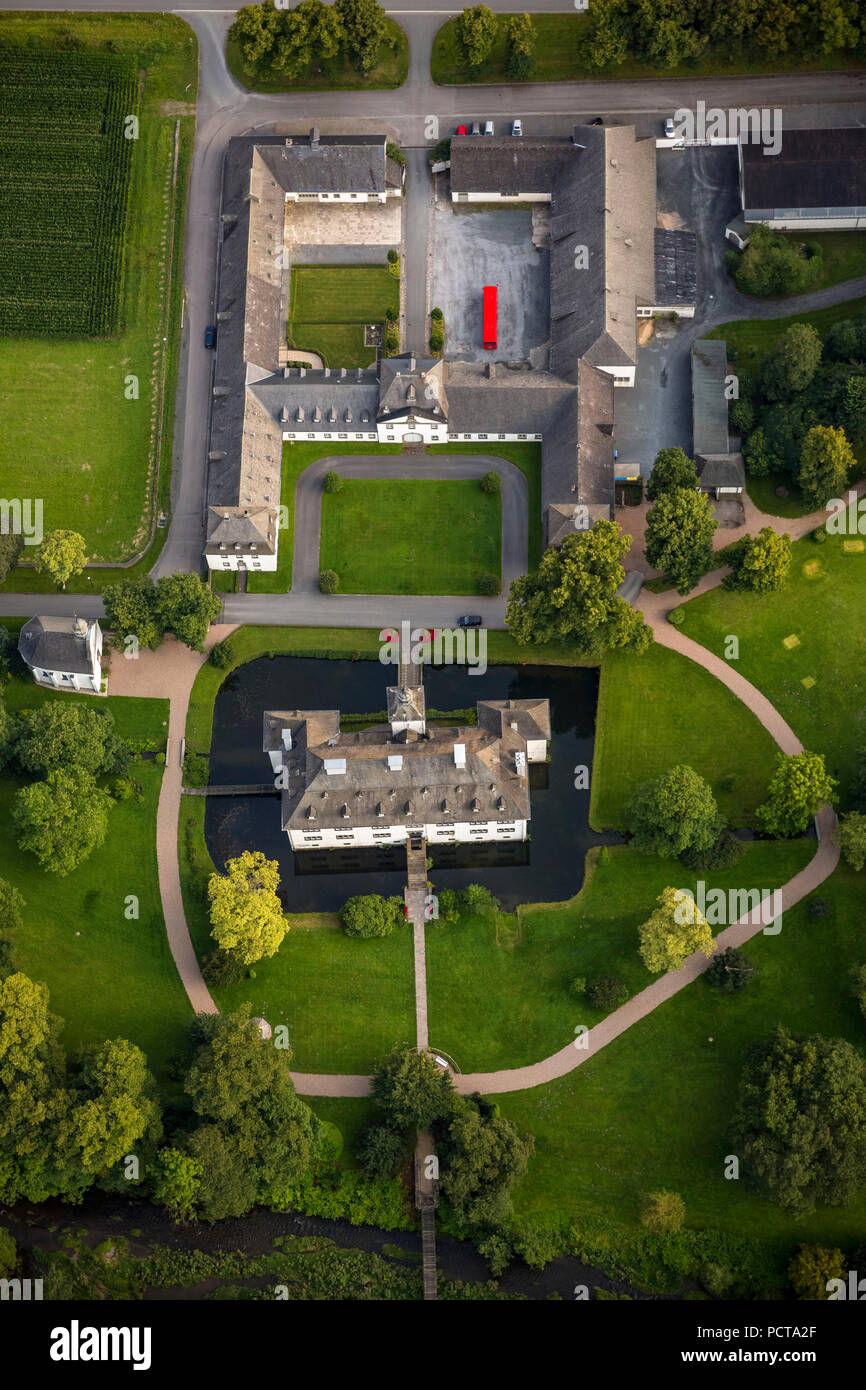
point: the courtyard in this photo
(472, 248)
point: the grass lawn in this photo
(134, 717)
(825, 610)
(108, 976)
(350, 1115)
(561, 56)
(660, 709)
(390, 70)
(419, 536)
(345, 1002)
(96, 468)
(753, 338)
(844, 256)
(527, 457)
(652, 1109)
(296, 457)
(526, 1009)
(329, 305)
(763, 493)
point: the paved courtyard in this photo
(472, 249)
(344, 224)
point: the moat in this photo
(546, 868)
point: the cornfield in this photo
(65, 168)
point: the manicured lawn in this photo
(390, 70)
(526, 1008)
(561, 56)
(419, 536)
(108, 976)
(763, 493)
(329, 305)
(96, 467)
(653, 1108)
(296, 457)
(844, 256)
(134, 717)
(345, 1002)
(350, 1115)
(660, 709)
(527, 458)
(825, 609)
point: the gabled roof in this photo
(58, 644)
(412, 385)
(676, 254)
(819, 168)
(709, 403)
(721, 470)
(577, 450)
(327, 163)
(505, 165)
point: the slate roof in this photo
(676, 254)
(316, 401)
(721, 470)
(577, 451)
(326, 164)
(412, 385)
(813, 169)
(503, 164)
(709, 404)
(54, 644)
(508, 402)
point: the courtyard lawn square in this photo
(829, 610)
(329, 305)
(527, 1008)
(387, 536)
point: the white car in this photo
(488, 128)
(517, 127)
(670, 131)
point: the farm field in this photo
(101, 460)
(329, 305)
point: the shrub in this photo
(677, 616)
(437, 340)
(449, 906)
(380, 1151)
(663, 1212)
(476, 900)
(811, 1269)
(819, 535)
(437, 315)
(491, 482)
(578, 984)
(221, 655)
(390, 315)
(818, 908)
(489, 584)
(223, 968)
(441, 151)
(329, 582)
(716, 1279)
(369, 915)
(195, 771)
(394, 152)
(8, 1253)
(393, 256)
(730, 971)
(332, 482)
(858, 986)
(607, 992)
(497, 1250)
(126, 788)
(742, 416)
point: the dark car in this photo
(469, 620)
(210, 336)
(597, 121)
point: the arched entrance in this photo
(413, 438)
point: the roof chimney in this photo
(314, 136)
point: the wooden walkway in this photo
(240, 789)
(427, 1200)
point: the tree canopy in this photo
(673, 932)
(187, 607)
(481, 1154)
(759, 563)
(370, 915)
(245, 912)
(798, 788)
(800, 1122)
(672, 469)
(62, 820)
(826, 463)
(131, 609)
(61, 555)
(74, 737)
(673, 813)
(475, 31)
(572, 596)
(412, 1089)
(679, 536)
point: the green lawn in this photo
(419, 536)
(763, 493)
(329, 305)
(390, 70)
(660, 709)
(108, 976)
(844, 257)
(296, 457)
(346, 1002)
(561, 54)
(527, 457)
(526, 1009)
(751, 339)
(96, 467)
(652, 1109)
(134, 717)
(826, 611)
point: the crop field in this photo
(66, 162)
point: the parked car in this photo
(488, 128)
(596, 120)
(517, 127)
(476, 127)
(461, 130)
(210, 336)
(670, 130)
(469, 620)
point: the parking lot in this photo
(471, 249)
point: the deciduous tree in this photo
(799, 786)
(412, 1089)
(850, 836)
(672, 813)
(475, 31)
(679, 536)
(673, 932)
(826, 463)
(672, 469)
(61, 820)
(246, 915)
(760, 563)
(131, 608)
(61, 555)
(187, 607)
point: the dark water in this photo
(548, 868)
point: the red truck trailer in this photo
(488, 337)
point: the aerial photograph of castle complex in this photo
(432, 672)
